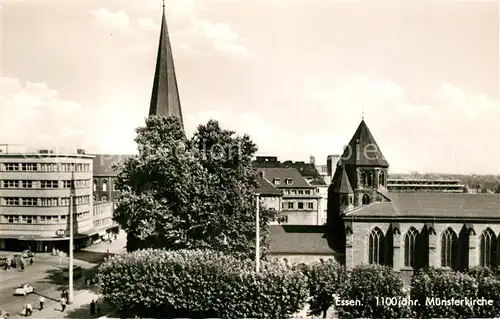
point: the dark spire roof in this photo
(363, 150)
(165, 97)
(340, 182)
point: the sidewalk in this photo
(80, 308)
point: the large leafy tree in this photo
(181, 193)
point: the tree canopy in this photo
(196, 193)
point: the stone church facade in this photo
(368, 224)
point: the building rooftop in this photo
(307, 170)
(298, 239)
(284, 177)
(452, 205)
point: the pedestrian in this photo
(24, 312)
(98, 310)
(46, 248)
(53, 251)
(63, 304)
(92, 308)
(31, 261)
(29, 309)
(41, 300)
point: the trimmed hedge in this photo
(199, 284)
(432, 286)
(325, 280)
(373, 289)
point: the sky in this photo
(296, 75)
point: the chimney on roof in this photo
(80, 151)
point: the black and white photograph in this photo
(249, 159)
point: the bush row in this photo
(378, 292)
(199, 284)
(204, 284)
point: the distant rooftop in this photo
(307, 169)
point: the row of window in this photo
(30, 219)
(367, 178)
(297, 191)
(104, 186)
(81, 183)
(44, 201)
(46, 167)
(300, 205)
(454, 249)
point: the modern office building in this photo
(35, 195)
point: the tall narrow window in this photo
(411, 248)
(369, 179)
(95, 186)
(104, 186)
(449, 243)
(381, 178)
(376, 247)
(488, 249)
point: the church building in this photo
(366, 223)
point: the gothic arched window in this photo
(381, 179)
(104, 186)
(411, 248)
(366, 199)
(376, 247)
(488, 250)
(449, 249)
(369, 179)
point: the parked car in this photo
(23, 290)
(77, 272)
(28, 254)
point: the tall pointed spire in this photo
(165, 96)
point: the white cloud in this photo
(119, 20)
(194, 33)
(453, 132)
(33, 116)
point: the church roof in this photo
(340, 182)
(298, 239)
(433, 205)
(165, 96)
(363, 150)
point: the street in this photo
(45, 275)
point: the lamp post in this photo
(257, 234)
(70, 270)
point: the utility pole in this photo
(71, 237)
(257, 234)
(70, 270)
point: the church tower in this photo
(165, 96)
(365, 167)
(340, 200)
